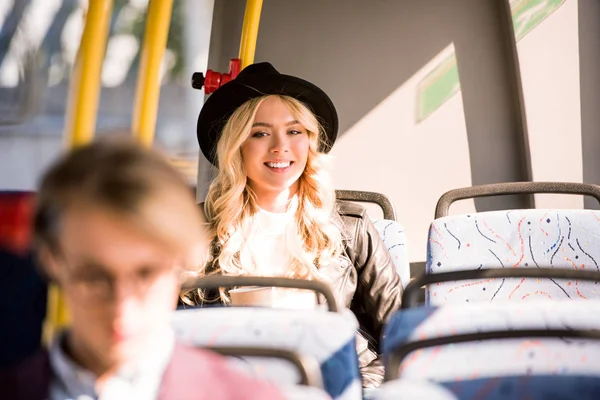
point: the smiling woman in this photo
(272, 206)
(276, 152)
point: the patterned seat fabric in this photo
(328, 337)
(530, 387)
(514, 239)
(394, 239)
(495, 358)
(411, 389)
(295, 392)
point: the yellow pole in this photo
(148, 85)
(250, 32)
(80, 121)
(85, 80)
(57, 315)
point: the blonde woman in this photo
(272, 205)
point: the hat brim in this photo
(223, 102)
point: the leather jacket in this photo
(370, 287)
(366, 282)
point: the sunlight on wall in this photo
(549, 58)
(390, 138)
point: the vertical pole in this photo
(148, 84)
(250, 31)
(84, 91)
(80, 120)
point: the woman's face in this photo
(275, 153)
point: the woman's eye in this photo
(295, 132)
(259, 134)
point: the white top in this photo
(267, 242)
(269, 253)
(70, 381)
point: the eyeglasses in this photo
(97, 284)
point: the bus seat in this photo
(16, 215)
(514, 239)
(295, 392)
(394, 239)
(260, 362)
(329, 337)
(411, 389)
(23, 295)
(23, 290)
(390, 230)
(517, 356)
(531, 387)
(359, 196)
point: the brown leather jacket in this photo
(369, 286)
(366, 282)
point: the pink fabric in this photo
(199, 374)
(191, 373)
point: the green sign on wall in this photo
(443, 81)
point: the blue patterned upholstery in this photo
(295, 392)
(326, 336)
(509, 357)
(514, 239)
(531, 387)
(412, 389)
(394, 239)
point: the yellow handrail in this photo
(148, 85)
(85, 81)
(82, 108)
(250, 31)
(57, 315)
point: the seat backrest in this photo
(23, 300)
(394, 239)
(23, 290)
(511, 357)
(287, 365)
(328, 337)
(16, 217)
(295, 392)
(411, 389)
(305, 370)
(514, 239)
(391, 231)
(359, 196)
(531, 387)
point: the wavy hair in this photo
(231, 204)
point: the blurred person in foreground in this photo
(117, 229)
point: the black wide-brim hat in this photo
(254, 81)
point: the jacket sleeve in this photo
(378, 293)
(379, 289)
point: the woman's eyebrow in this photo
(262, 124)
(267, 125)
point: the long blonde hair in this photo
(231, 204)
